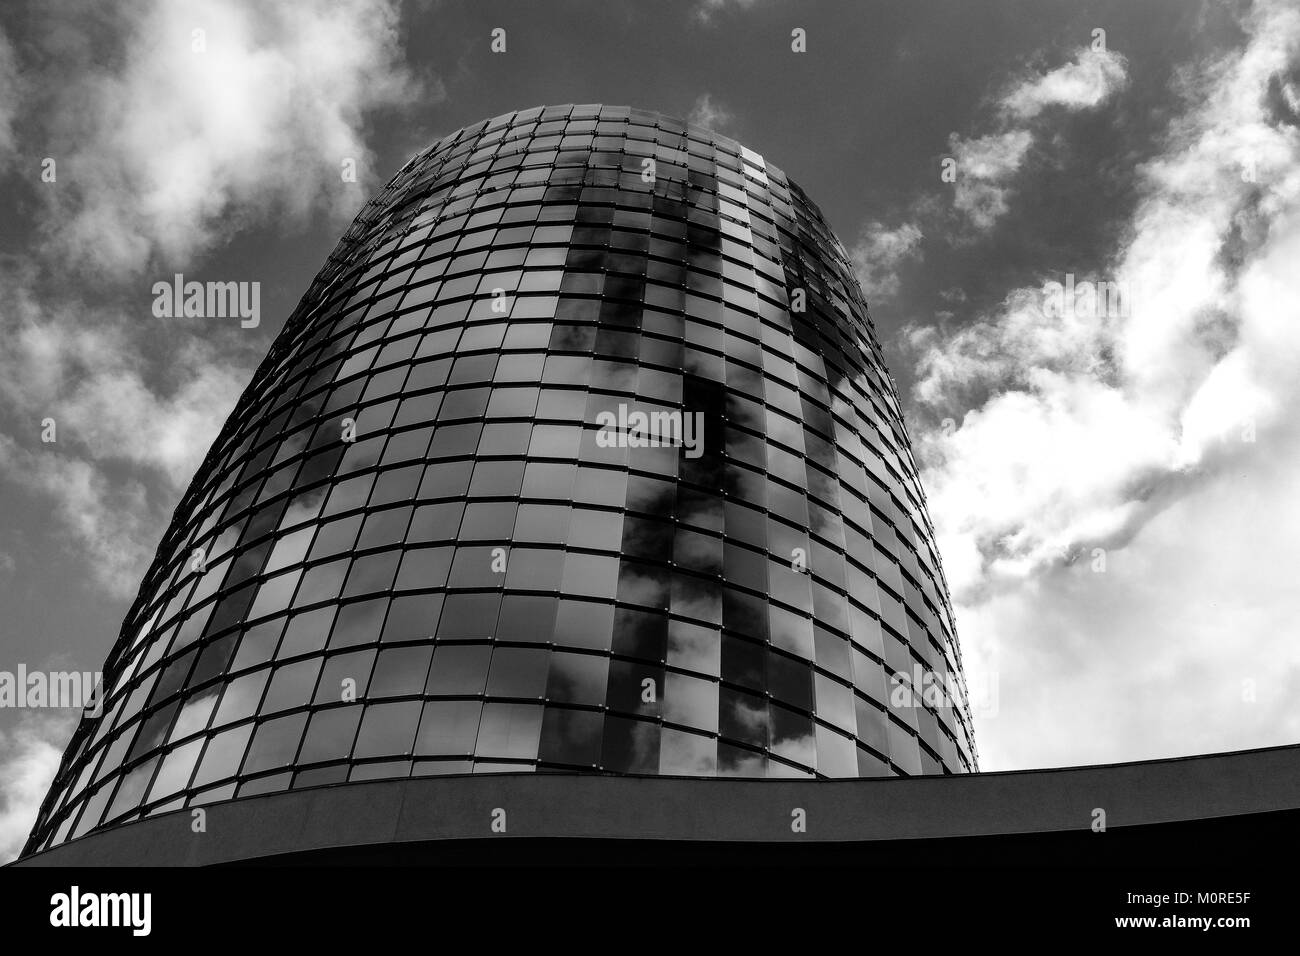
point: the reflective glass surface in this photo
(417, 547)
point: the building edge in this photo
(1222, 807)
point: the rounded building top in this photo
(579, 454)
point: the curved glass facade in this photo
(578, 455)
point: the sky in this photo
(1114, 483)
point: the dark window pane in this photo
(571, 737)
(458, 669)
(584, 624)
(448, 727)
(291, 685)
(412, 618)
(400, 671)
(630, 746)
(509, 731)
(518, 672)
(358, 623)
(526, 618)
(388, 729)
(275, 744)
(344, 677)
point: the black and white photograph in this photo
(817, 457)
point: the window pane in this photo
(388, 729)
(275, 744)
(448, 727)
(330, 734)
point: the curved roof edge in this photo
(394, 818)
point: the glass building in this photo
(419, 546)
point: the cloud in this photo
(108, 398)
(111, 524)
(211, 115)
(1088, 81)
(174, 125)
(709, 114)
(131, 424)
(29, 757)
(986, 165)
(10, 96)
(985, 168)
(1184, 644)
(878, 254)
(706, 10)
(1113, 489)
(1024, 337)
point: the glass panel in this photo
(241, 697)
(742, 717)
(526, 618)
(630, 746)
(459, 669)
(358, 623)
(306, 632)
(388, 728)
(791, 736)
(577, 678)
(686, 754)
(571, 737)
(275, 744)
(291, 685)
(424, 568)
(194, 713)
(413, 618)
(175, 771)
(518, 672)
(690, 701)
(330, 734)
(584, 624)
(509, 731)
(400, 671)
(223, 755)
(448, 727)
(694, 647)
(344, 677)
(468, 616)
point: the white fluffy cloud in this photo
(1082, 84)
(1159, 433)
(208, 117)
(124, 424)
(107, 399)
(213, 114)
(985, 167)
(29, 756)
(987, 164)
(110, 523)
